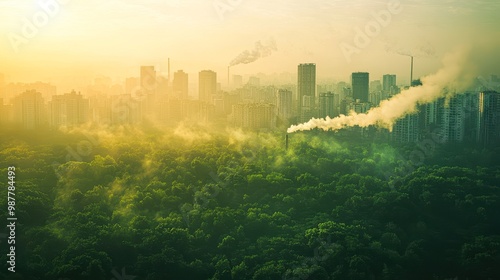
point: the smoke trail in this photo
(425, 49)
(259, 51)
(457, 74)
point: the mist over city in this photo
(189, 139)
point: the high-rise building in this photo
(307, 110)
(257, 116)
(230, 99)
(180, 84)
(327, 106)
(471, 101)
(343, 89)
(207, 85)
(389, 81)
(376, 97)
(453, 119)
(429, 115)
(284, 104)
(175, 110)
(406, 130)
(306, 90)
(148, 80)
(375, 86)
(69, 109)
(29, 110)
(196, 110)
(360, 86)
(488, 120)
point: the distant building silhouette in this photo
(284, 102)
(327, 105)
(255, 116)
(180, 85)
(207, 84)
(69, 109)
(388, 82)
(29, 110)
(375, 86)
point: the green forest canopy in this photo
(198, 203)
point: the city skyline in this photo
(370, 43)
(147, 77)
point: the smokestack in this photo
(411, 71)
(286, 142)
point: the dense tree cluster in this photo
(195, 204)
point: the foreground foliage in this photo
(192, 204)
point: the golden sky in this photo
(73, 41)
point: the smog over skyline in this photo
(250, 139)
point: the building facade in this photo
(29, 110)
(327, 105)
(306, 91)
(70, 109)
(284, 101)
(360, 86)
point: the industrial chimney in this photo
(411, 71)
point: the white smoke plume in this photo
(260, 50)
(457, 74)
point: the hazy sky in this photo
(114, 37)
